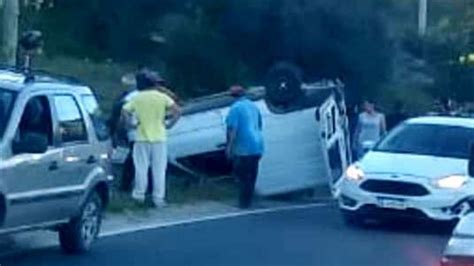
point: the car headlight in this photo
(451, 182)
(354, 173)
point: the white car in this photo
(420, 170)
(460, 248)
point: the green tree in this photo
(204, 45)
(451, 37)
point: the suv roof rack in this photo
(46, 76)
(40, 76)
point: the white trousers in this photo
(146, 154)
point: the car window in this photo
(71, 123)
(425, 139)
(36, 119)
(7, 99)
(97, 117)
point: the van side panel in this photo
(295, 157)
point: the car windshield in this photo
(427, 139)
(6, 103)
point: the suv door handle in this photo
(91, 160)
(53, 166)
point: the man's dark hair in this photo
(142, 82)
(237, 91)
(147, 79)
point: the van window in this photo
(71, 123)
(97, 117)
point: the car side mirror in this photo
(470, 167)
(31, 143)
(368, 145)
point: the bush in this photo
(103, 77)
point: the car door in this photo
(30, 178)
(76, 157)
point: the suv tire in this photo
(78, 235)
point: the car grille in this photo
(394, 188)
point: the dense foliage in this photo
(204, 45)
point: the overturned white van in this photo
(305, 132)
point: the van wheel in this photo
(78, 235)
(283, 84)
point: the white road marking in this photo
(141, 228)
(134, 229)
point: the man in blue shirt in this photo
(244, 143)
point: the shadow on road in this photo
(410, 227)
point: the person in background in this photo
(245, 145)
(370, 127)
(352, 115)
(149, 107)
(398, 116)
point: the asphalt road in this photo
(314, 236)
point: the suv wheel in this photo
(78, 235)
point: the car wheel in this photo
(283, 84)
(78, 235)
(352, 218)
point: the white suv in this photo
(420, 169)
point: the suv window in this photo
(71, 123)
(6, 103)
(97, 117)
(36, 119)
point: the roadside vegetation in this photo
(202, 46)
(181, 189)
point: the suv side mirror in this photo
(31, 143)
(470, 167)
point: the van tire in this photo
(288, 74)
(78, 235)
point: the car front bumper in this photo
(441, 206)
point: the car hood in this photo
(412, 165)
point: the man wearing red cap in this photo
(244, 143)
(149, 107)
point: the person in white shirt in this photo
(370, 127)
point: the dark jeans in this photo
(246, 171)
(128, 172)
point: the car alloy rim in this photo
(90, 223)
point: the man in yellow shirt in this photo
(149, 108)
